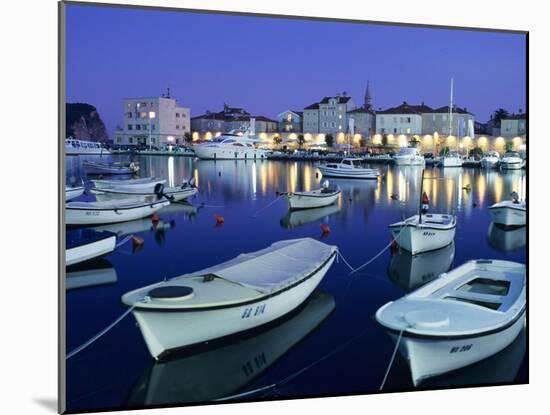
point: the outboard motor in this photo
(159, 190)
(325, 187)
(515, 197)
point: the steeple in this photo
(368, 99)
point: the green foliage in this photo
(509, 146)
(413, 142)
(301, 140)
(277, 139)
(499, 114)
(329, 139)
(188, 137)
(476, 151)
(363, 142)
(384, 139)
(444, 151)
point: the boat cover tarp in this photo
(275, 267)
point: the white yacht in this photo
(234, 145)
(408, 156)
(451, 159)
(490, 160)
(74, 147)
(511, 161)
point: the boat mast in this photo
(421, 193)
(451, 113)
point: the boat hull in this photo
(508, 216)
(89, 251)
(303, 201)
(515, 165)
(73, 192)
(432, 357)
(409, 161)
(219, 153)
(138, 185)
(349, 173)
(91, 216)
(487, 163)
(418, 239)
(165, 331)
(450, 162)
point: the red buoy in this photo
(219, 219)
(425, 199)
(325, 228)
(155, 218)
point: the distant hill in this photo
(84, 123)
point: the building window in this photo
(409, 120)
(118, 140)
(144, 126)
(130, 126)
(129, 115)
(130, 140)
(177, 127)
(177, 114)
(138, 127)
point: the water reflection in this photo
(295, 218)
(505, 239)
(90, 274)
(227, 369)
(412, 271)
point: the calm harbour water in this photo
(331, 345)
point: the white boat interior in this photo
(477, 297)
(247, 277)
(436, 220)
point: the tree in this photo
(509, 146)
(499, 114)
(384, 140)
(329, 139)
(413, 142)
(444, 151)
(475, 152)
(301, 140)
(363, 142)
(188, 137)
(277, 140)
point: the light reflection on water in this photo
(111, 372)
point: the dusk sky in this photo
(268, 65)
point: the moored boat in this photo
(462, 317)
(423, 233)
(95, 167)
(313, 199)
(511, 161)
(408, 156)
(451, 159)
(490, 160)
(73, 192)
(509, 213)
(245, 292)
(111, 211)
(185, 191)
(76, 147)
(85, 244)
(349, 168)
(144, 184)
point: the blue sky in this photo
(268, 65)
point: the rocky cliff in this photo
(84, 123)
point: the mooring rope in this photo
(392, 359)
(100, 334)
(268, 205)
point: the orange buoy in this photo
(155, 217)
(325, 228)
(219, 219)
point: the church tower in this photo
(368, 99)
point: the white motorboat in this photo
(295, 218)
(85, 244)
(511, 161)
(99, 272)
(408, 156)
(509, 213)
(73, 192)
(95, 167)
(145, 184)
(490, 160)
(174, 194)
(75, 147)
(248, 291)
(424, 232)
(224, 371)
(462, 317)
(505, 239)
(349, 168)
(451, 159)
(313, 199)
(110, 211)
(410, 271)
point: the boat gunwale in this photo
(139, 305)
(136, 206)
